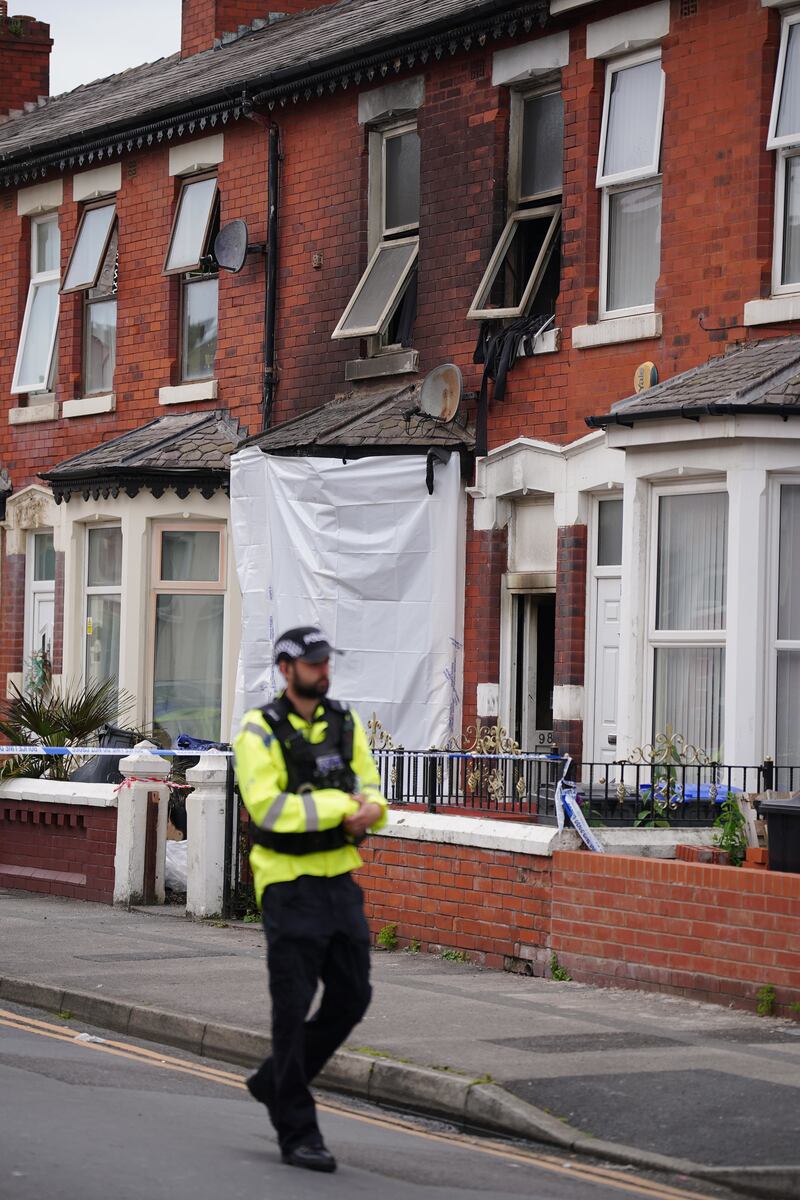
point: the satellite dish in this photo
(441, 392)
(230, 246)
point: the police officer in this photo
(312, 789)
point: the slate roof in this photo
(276, 55)
(761, 377)
(181, 451)
(373, 420)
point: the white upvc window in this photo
(190, 256)
(92, 269)
(786, 645)
(687, 631)
(33, 370)
(40, 585)
(103, 603)
(784, 138)
(187, 627)
(628, 176)
(383, 304)
(523, 274)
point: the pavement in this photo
(659, 1082)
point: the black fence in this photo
(523, 787)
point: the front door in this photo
(606, 668)
(532, 665)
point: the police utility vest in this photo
(325, 764)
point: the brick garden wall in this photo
(712, 933)
(62, 851)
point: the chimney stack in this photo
(204, 21)
(25, 46)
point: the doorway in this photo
(532, 669)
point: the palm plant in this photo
(69, 717)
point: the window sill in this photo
(777, 308)
(547, 343)
(89, 406)
(617, 329)
(35, 412)
(189, 393)
(403, 362)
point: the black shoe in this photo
(313, 1158)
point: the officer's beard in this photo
(310, 691)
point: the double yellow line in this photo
(632, 1184)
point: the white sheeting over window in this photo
(363, 550)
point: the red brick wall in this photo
(25, 46)
(491, 905)
(710, 932)
(486, 561)
(13, 578)
(65, 851)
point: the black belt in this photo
(301, 843)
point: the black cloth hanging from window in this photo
(497, 349)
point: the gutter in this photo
(695, 412)
(295, 87)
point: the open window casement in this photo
(37, 342)
(518, 264)
(633, 113)
(90, 249)
(400, 167)
(192, 226)
(784, 122)
(379, 290)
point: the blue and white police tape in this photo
(567, 802)
(104, 751)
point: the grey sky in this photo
(95, 38)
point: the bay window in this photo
(787, 748)
(188, 608)
(687, 633)
(33, 370)
(103, 603)
(628, 175)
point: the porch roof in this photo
(181, 451)
(302, 56)
(761, 377)
(380, 420)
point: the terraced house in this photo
(589, 207)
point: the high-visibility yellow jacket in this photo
(263, 779)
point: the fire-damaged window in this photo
(92, 270)
(784, 136)
(33, 370)
(523, 275)
(383, 306)
(190, 257)
(628, 174)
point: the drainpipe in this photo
(271, 273)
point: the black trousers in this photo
(316, 930)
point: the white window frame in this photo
(33, 588)
(665, 638)
(100, 589)
(478, 310)
(191, 587)
(787, 139)
(18, 385)
(89, 284)
(379, 237)
(787, 146)
(515, 213)
(774, 644)
(623, 181)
